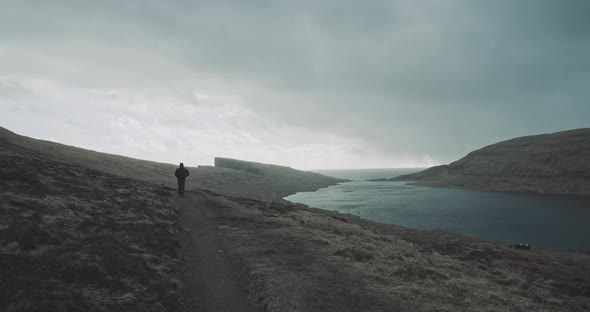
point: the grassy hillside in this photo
(77, 239)
(305, 259)
(556, 163)
(270, 181)
(79, 230)
(114, 164)
(240, 179)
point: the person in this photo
(181, 173)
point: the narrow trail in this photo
(211, 282)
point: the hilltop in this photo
(556, 163)
(121, 166)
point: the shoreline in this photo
(538, 240)
(356, 247)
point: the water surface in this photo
(549, 222)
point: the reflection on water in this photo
(549, 222)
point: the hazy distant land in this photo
(82, 229)
(556, 163)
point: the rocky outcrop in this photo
(556, 163)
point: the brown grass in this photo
(302, 259)
(77, 239)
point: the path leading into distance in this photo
(211, 282)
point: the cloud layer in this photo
(304, 83)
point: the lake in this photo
(549, 222)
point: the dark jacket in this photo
(181, 173)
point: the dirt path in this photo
(212, 283)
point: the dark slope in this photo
(114, 164)
(556, 163)
(77, 239)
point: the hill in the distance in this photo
(556, 163)
(271, 181)
(229, 176)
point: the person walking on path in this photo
(181, 173)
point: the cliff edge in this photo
(268, 181)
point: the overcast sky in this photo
(309, 84)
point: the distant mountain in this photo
(556, 163)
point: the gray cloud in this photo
(380, 83)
